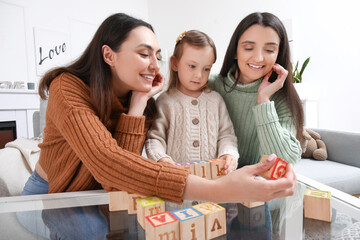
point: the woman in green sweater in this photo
(256, 84)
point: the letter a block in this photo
(217, 168)
(317, 205)
(162, 226)
(192, 223)
(215, 219)
(118, 201)
(148, 206)
(277, 171)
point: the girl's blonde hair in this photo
(194, 38)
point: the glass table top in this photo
(85, 215)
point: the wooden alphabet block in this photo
(148, 206)
(192, 223)
(118, 201)
(217, 168)
(215, 219)
(132, 208)
(252, 204)
(189, 166)
(202, 169)
(162, 226)
(277, 171)
(317, 205)
(251, 216)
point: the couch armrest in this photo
(342, 147)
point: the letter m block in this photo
(162, 226)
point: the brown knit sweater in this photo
(79, 153)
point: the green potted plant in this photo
(297, 75)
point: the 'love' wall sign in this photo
(52, 50)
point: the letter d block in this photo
(132, 209)
(192, 223)
(277, 171)
(317, 205)
(162, 226)
(148, 206)
(217, 168)
(215, 219)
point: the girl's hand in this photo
(267, 89)
(139, 99)
(167, 160)
(230, 165)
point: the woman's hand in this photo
(139, 100)
(230, 164)
(267, 89)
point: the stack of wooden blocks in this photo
(202, 221)
(209, 169)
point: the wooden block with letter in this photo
(162, 226)
(148, 206)
(189, 166)
(132, 208)
(317, 205)
(277, 171)
(202, 169)
(215, 219)
(118, 201)
(192, 223)
(217, 168)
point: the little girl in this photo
(192, 122)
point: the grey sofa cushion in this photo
(337, 175)
(342, 147)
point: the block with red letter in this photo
(192, 223)
(215, 219)
(148, 206)
(118, 201)
(162, 226)
(202, 169)
(317, 205)
(132, 209)
(277, 171)
(217, 168)
(188, 165)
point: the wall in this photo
(325, 30)
(78, 20)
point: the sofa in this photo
(341, 169)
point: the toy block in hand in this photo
(217, 168)
(251, 216)
(252, 204)
(215, 219)
(202, 169)
(132, 208)
(118, 201)
(162, 226)
(277, 171)
(317, 205)
(148, 206)
(192, 223)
